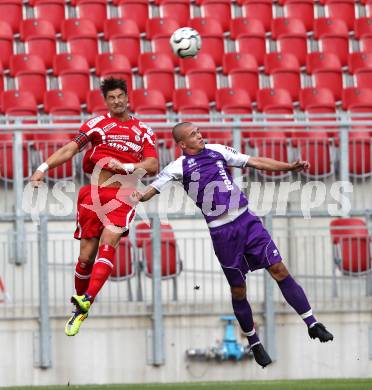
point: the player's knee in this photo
(278, 271)
(85, 261)
(238, 293)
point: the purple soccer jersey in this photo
(242, 244)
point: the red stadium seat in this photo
(362, 26)
(268, 98)
(356, 97)
(52, 10)
(291, 37)
(136, 10)
(116, 65)
(56, 101)
(94, 10)
(366, 43)
(148, 102)
(96, 103)
(200, 61)
(285, 72)
(243, 25)
(29, 72)
(358, 61)
(327, 72)
(229, 98)
(127, 44)
(11, 13)
(81, 36)
(301, 9)
(219, 9)
(184, 98)
(160, 26)
(6, 43)
(363, 78)
(233, 61)
(159, 61)
(351, 245)
(39, 37)
(246, 79)
(333, 37)
(73, 73)
(160, 44)
(18, 103)
(176, 9)
(143, 233)
(1, 77)
(343, 10)
(123, 267)
(316, 97)
(360, 152)
(120, 27)
(252, 43)
(212, 36)
(259, 9)
(202, 79)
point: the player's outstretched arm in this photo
(138, 196)
(269, 164)
(56, 159)
(149, 164)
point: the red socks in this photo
(101, 270)
(82, 276)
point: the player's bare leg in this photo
(296, 297)
(243, 313)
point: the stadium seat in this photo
(233, 61)
(123, 267)
(61, 102)
(73, 73)
(116, 65)
(148, 102)
(202, 79)
(253, 43)
(160, 44)
(326, 71)
(269, 98)
(127, 44)
(333, 37)
(18, 103)
(1, 78)
(351, 245)
(301, 9)
(365, 43)
(29, 72)
(291, 38)
(136, 10)
(160, 26)
(230, 101)
(363, 78)
(52, 10)
(343, 10)
(120, 27)
(246, 79)
(176, 9)
(96, 103)
(356, 97)
(358, 61)
(6, 43)
(362, 26)
(243, 25)
(219, 9)
(94, 10)
(160, 61)
(212, 36)
(39, 38)
(199, 62)
(184, 98)
(259, 9)
(360, 153)
(11, 13)
(81, 37)
(284, 70)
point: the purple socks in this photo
(243, 314)
(295, 296)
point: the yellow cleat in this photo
(81, 302)
(73, 324)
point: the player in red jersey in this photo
(119, 145)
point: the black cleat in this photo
(319, 331)
(260, 355)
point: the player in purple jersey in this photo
(240, 241)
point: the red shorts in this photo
(99, 207)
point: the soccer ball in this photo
(185, 42)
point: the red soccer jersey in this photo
(128, 142)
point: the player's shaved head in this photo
(178, 130)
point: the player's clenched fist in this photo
(37, 178)
(136, 196)
(118, 167)
(298, 166)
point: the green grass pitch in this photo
(319, 384)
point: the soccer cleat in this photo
(319, 331)
(73, 324)
(260, 355)
(81, 302)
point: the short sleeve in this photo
(232, 157)
(149, 142)
(172, 172)
(85, 132)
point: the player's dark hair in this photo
(176, 130)
(112, 83)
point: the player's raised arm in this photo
(56, 159)
(269, 164)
